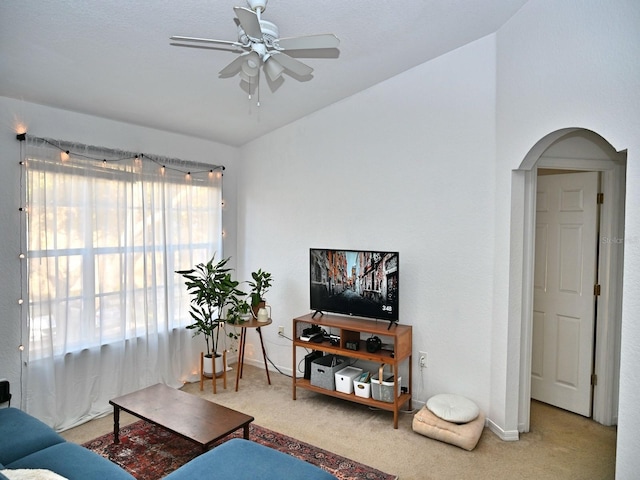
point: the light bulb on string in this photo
(64, 156)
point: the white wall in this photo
(406, 165)
(562, 65)
(60, 124)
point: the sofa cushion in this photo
(72, 461)
(21, 434)
(245, 460)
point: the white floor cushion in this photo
(453, 408)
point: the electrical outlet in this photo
(281, 330)
(422, 359)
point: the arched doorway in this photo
(576, 150)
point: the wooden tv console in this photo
(349, 329)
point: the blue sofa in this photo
(27, 443)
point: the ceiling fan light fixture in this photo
(251, 66)
(272, 68)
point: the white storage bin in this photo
(383, 391)
(345, 377)
(362, 389)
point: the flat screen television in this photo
(362, 283)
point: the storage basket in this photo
(345, 378)
(362, 389)
(383, 391)
(323, 371)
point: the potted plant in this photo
(212, 289)
(259, 286)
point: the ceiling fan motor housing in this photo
(269, 30)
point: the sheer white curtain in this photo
(107, 312)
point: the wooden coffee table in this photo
(191, 417)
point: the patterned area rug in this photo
(149, 452)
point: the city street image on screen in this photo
(359, 283)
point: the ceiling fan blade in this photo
(323, 40)
(291, 64)
(205, 40)
(273, 69)
(249, 22)
(234, 67)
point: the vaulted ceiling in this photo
(113, 58)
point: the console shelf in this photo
(350, 330)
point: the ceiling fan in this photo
(261, 46)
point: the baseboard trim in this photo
(505, 435)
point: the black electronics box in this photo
(307, 362)
(5, 391)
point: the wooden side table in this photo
(252, 323)
(214, 377)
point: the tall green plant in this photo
(212, 289)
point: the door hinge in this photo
(596, 290)
(594, 379)
(600, 198)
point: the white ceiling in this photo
(113, 58)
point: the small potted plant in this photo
(259, 286)
(212, 290)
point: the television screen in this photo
(362, 283)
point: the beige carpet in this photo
(560, 445)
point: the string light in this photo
(136, 157)
(22, 317)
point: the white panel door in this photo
(564, 303)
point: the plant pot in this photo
(257, 307)
(219, 364)
(208, 365)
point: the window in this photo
(105, 238)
